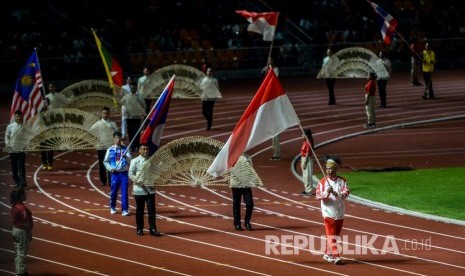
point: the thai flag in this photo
(158, 115)
(269, 114)
(387, 22)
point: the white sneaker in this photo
(112, 211)
(328, 258)
(337, 260)
(125, 213)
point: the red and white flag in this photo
(269, 114)
(262, 23)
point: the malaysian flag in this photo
(28, 96)
(387, 22)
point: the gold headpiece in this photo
(330, 163)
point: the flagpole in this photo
(408, 45)
(147, 117)
(42, 89)
(272, 41)
(313, 151)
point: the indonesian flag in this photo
(269, 114)
(387, 22)
(112, 67)
(262, 23)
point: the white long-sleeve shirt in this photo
(11, 130)
(210, 89)
(57, 100)
(135, 166)
(332, 206)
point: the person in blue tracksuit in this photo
(117, 159)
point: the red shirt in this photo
(370, 88)
(305, 150)
(21, 216)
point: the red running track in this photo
(75, 234)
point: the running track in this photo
(75, 234)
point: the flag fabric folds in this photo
(112, 67)
(158, 115)
(269, 113)
(28, 96)
(387, 22)
(262, 23)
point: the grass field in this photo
(439, 192)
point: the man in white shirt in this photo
(134, 112)
(55, 99)
(105, 121)
(17, 158)
(210, 92)
(143, 194)
(140, 84)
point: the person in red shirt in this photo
(370, 100)
(306, 163)
(22, 222)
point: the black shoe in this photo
(140, 232)
(416, 83)
(304, 193)
(248, 226)
(103, 184)
(154, 233)
(424, 97)
(238, 227)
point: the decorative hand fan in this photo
(184, 162)
(354, 62)
(93, 95)
(61, 129)
(186, 85)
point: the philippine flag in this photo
(158, 115)
(269, 114)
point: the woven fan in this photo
(184, 162)
(93, 95)
(354, 62)
(133, 107)
(186, 84)
(61, 129)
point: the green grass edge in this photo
(438, 192)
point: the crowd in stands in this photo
(62, 29)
